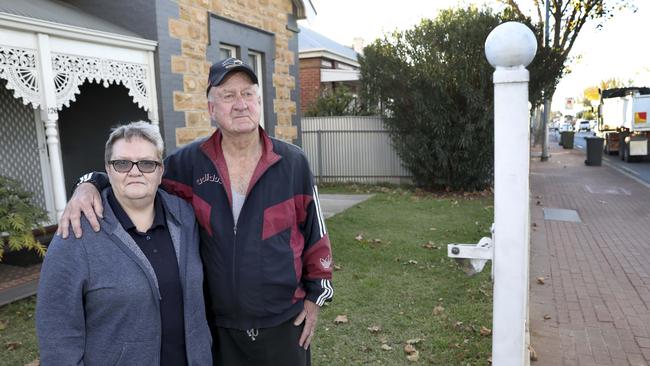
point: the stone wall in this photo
(191, 28)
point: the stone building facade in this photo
(193, 34)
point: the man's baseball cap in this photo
(219, 70)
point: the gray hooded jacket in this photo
(98, 298)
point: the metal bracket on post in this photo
(478, 254)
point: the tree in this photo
(434, 86)
(337, 102)
(567, 19)
(18, 216)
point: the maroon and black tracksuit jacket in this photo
(257, 272)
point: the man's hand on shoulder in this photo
(310, 316)
(85, 199)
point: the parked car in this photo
(555, 125)
(585, 125)
(566, 126)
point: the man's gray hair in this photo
(140, 129)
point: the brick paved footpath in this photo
(596, 294)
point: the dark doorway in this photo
(86, 124)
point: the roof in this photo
(621, 92)
(310, 41)
(62, 13)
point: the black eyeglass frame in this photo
(136, 163)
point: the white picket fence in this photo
(351, 149)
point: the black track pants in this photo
(277, 346)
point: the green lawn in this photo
(392, 271)
(389, 280)
(18, 345)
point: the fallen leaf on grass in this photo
(438, 310)
(547, 317)
(430, 245)
(359, 237)
(413, 357)
(377, 241)
(414, 341)
(12, 346)
(337, 267)
(412, 261)
(34, 363)
(485, 331)
(533, 353)
(409, 349)
(540, 280)
(3, 324)
(412, 354)
(386, 347)
(341, 319)
(374, 329)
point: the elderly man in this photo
(130, 293)
(264, 244)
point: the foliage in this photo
(18, 217)
(586, 114)
(614, 83)
(434, 87)
(338, 102)
(567, 18)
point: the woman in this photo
(131, 293)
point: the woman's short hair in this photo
(140, 129)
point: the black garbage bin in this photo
(566, 139)
(594, 150)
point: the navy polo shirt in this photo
(157, 246)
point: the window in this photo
(227, 51)
(255, 60)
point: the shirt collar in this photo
(125, 220)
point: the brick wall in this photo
(191, 28)
(309, 82)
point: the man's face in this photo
(235, 104)
(134, 185)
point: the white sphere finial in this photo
(510, 44)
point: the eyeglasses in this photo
(125, 166)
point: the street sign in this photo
(569, 103)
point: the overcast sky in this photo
(618, 50)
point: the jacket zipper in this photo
(234, 267)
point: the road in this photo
(637, 170)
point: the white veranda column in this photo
(50, 116)
(151, 88)
(510, 47)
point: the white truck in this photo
(624, 123)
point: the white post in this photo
(50, 116)
(153, 94)
(510, 47)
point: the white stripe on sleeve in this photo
(319, 213)
(328, 292)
